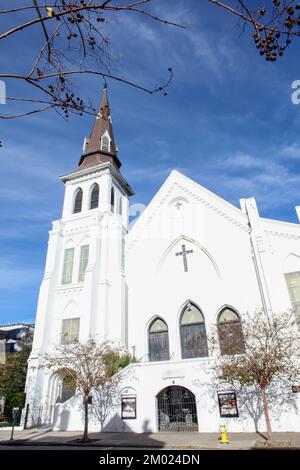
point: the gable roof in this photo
(177, 180)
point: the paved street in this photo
(49, 439)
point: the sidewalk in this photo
(237, 441)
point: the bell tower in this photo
(83, 294)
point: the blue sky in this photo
(228, 122)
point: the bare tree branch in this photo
(75, 44)
(271, 352)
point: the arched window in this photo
(94, 197)
(230, 332)
(293, 284)
(193, 333)
(120, 208)
(68, 386)
(78, 201)
(158, 341)
(112, 199)
(105, 143)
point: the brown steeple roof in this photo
(94, 151)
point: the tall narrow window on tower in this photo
(68, 266)
(84, 258)
(78, 201)
(120, 208)
(105, 143)
(293, 284)
(112, 199)
(94, 196)
(70, 331)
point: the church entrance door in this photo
(177, 411)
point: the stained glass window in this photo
(191, 314)
(230, 333)
(193, 333)
(158, 341)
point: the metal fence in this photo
(177, 410)
(38, 417)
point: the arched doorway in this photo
(177, 411)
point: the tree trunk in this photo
(85, 436)
(266, 413)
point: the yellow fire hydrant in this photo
(223, 437)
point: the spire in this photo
(100, 147)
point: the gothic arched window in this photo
(193, 333)
(293, 284)
(67, 386)
(112, 199)
(158, 341)
(94, 197)
(230, 332)
(105, 143)
(78, 201)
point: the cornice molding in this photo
(289, 236)
(63, 290)
(103, 168)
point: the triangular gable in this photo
(191, 189)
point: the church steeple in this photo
(100, 147)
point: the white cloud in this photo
(152, 173)
(291, 151)
(272, 183)
(242, 160)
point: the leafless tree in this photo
(91, 365)
(274, 23)
(73, 41)
(271, 355)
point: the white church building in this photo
(190, 264)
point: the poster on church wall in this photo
(228, 405)
(128, 405)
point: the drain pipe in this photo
(256, 237)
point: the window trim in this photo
(92, 189)
(76, 193)
(112, 199)
(183, 326)
(81, 272)
(63, 281)
(120, 205)
(63, 335)
(107, 139)
(226, 323)
(294, 303)
(149, 334)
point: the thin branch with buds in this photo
(75, 44)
